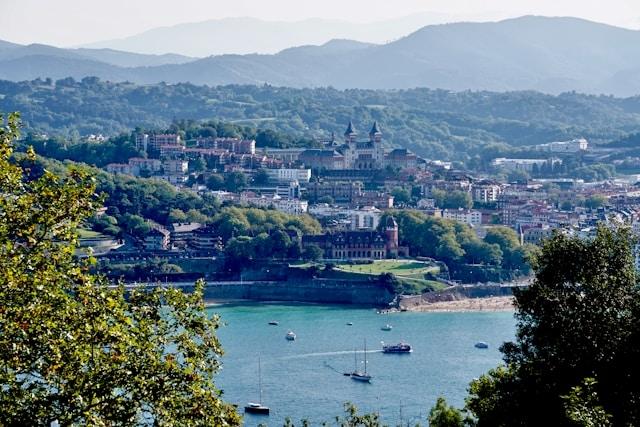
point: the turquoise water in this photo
(303, 378)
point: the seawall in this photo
(327, 291)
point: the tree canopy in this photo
(76, 350)
(574, 361)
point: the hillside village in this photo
(353, 185)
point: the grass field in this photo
(399, 267)
(89, 234)
(410, 274)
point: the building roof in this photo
(351, 130)
(375, 129)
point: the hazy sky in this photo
(70, 22)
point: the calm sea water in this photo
(303, 379)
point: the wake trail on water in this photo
(328, 353)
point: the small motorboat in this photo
(256, 408)
(481, 344)
(274, 323)
(387, 327)
(349, 323)
(401, 347)
(290, 336)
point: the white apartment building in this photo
(285, 175)
(573, 146)
(368, 217)
(467, 216)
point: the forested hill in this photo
(433, 123)
(551, 55)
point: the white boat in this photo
(357, 374)
(290, 336)
(257, 408)
(349, 323)
(387, 327)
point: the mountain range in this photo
(245, 35)
(529, 53)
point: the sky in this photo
(74, 22)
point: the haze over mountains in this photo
(251, 35)
(530, 53)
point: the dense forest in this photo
(433, 123)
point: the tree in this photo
(215, 182)
(401, 196)
(261, 178)
(594, 202)
(235, 181)
(578, 320)
(73, 349)
(197, 165)
(312, 253)
(443, 415)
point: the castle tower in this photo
(391, 231)
(375, 135)
(350, 134)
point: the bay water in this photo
(303, 379)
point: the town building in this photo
(181, 233)
(206, 239)
(486, 191)
(361, 244)
(232, 145)
(340, 192)
(286, 175)
(565, 147)
(467, 216)
(367, 217)
(156, 240)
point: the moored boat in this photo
(257, 408)
(481, 344)
(274, 322)
(357, 374)
(387, 327)
(290, 336)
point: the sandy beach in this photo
(502, 303)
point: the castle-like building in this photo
(359, 244)
(354, 154)
(363, 154)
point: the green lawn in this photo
(410, 274)
(404, 268)
(90, 234)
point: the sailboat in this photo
(357, 374)
(257, 408)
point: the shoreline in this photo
(462, 305)
(484, 304)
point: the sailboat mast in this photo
(260, 380)
(365, 356)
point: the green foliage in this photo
(579, 319)
(452, 199)
(75, 350)
(456, 243)
(401, 196)
(443, 415)
(583, 407)
(433, 123)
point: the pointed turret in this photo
(375, 134)
(350, 133)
